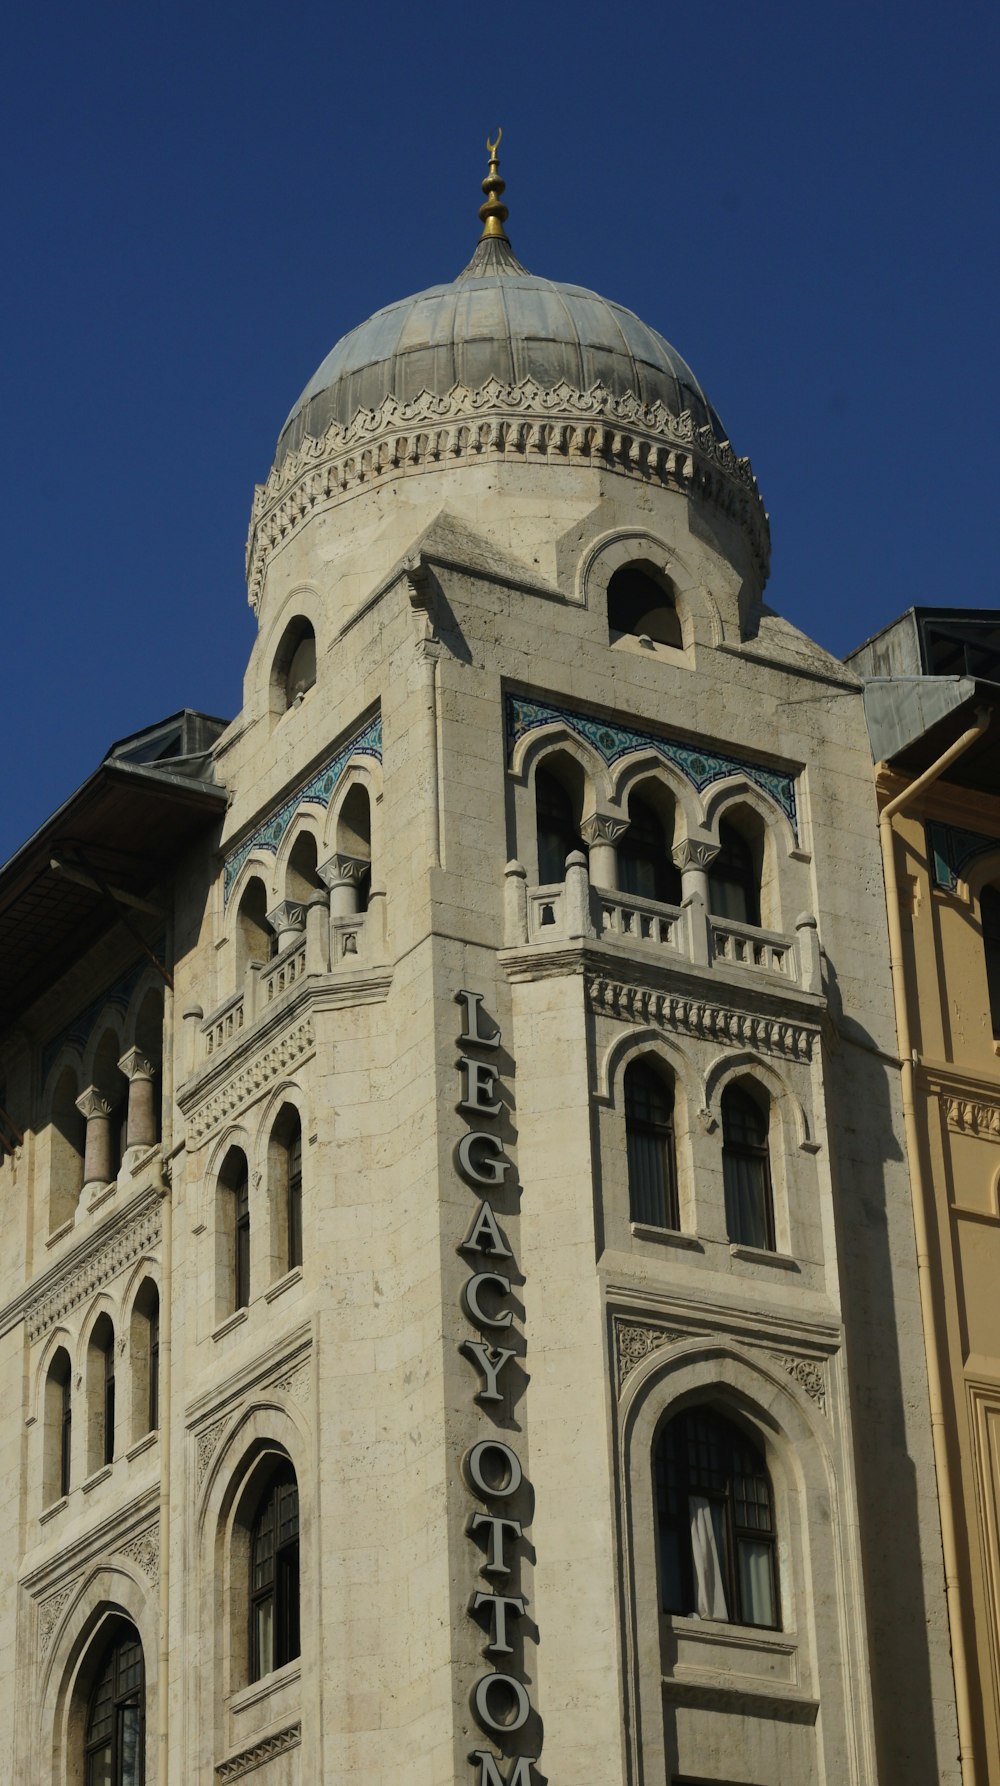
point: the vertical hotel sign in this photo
(491, 1469)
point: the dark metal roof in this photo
(129, 823)
(913, 719)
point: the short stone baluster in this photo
(515, 905)
(94, 1107)
(810, 953)
(288, 921)
(579, 922)
(141, 1125)
(601, 832)
(318, 933)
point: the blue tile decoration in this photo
(613, 741)
(951, 850)
(78, 1032)
(317, 791)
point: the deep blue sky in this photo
(199, 199)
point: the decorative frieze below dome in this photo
(519, 422)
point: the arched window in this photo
(58, 1434)
(645, 866)
(285, 1191)
(255, 940)
(989, 914)
(649, 1138)
(734, 878)
(274, 1575)
(558, 832)
(115, 1745)
(293, 671)
(746, 1169)
(112, 1084)
(101, 1394)
(715, 1519)
(68, 1142)
(144, 1357)
(354, 838)
(233, 1233)
(641, 602)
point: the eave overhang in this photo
(912, 720)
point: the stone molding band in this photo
(506, 421)
(248, 1760)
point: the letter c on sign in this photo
(470, 1299)
(473, 1466)
(481, 1703)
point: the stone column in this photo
(601, 833)
(97, 1152)
(810, 953)
(140, 1127)
(576, 897)
(515, 905)
(342, 874)
(288, 921)
(318, 934)
(192, 1017)
(692, 856)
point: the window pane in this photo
(671, 1574)
(648, 1179)
(747, 1200)
(99, 1767)
(131, 1739)
(264, 1635)
(756, 1584)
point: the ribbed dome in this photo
(494, 321)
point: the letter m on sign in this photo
(489, 1772)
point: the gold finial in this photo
(494, 214)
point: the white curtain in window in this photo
(709, 1592)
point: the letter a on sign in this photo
(490, 1775)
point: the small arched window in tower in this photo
(101, 1395)
(715, 1520)
(274, 1576)
(58, 1433)
(746, 1169)
(645, 866)
(989, 915)
(284, 1175)
(354, 842)
(557, 829)
(255, 940)
(115, 1738)
(233, 1234)
(734, 878)
(293, 672)
(649, 1139)
(144, 1357)
(641, 603)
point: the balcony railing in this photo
(740, 945)
(637, 920)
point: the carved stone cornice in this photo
(260, 1752)
(979, 1117)
(518, 422)
(684, 1014)
(243, 1087)
(54, 1296)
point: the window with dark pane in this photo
(649, 1140)
(644, 862)
(153, 1386)
(241, 1240)
(989, 914)
(733, 880)
(295, 1196)
(641, 603)
(109, 1399)
(65, 1430)
(715, 1522)
(746, 1170)
(555, 819)
(115, 1740)
(274, 1576)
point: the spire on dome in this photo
(494, 253)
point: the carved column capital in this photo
(134, 1065)
(603, 827)
(339, 868)
(694, 852)
(92, 1103)
(290, 915)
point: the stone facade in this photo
(382, 825)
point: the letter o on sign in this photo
(482, 1475)
(485, 1691)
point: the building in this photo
(933, 699)
(459, 1308)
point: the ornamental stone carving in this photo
(601, 828)
(506, 421)
(257, 1754)
(973, 1116)
(206, 1446)
(82, 1277)
(807, 1373)
(49, 1613)
(634, 1342)
(696, 1017)
(694, 852)
(247, 1085)
(294, 1383)
(144, 1551)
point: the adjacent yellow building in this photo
(932, 699)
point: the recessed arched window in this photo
(68, 1142)
(284, 1183)
(641, 602)
(144, 1358)
(649, 1139)
(293, 671)
(645, 866)
(115, 1742)
(233, 1234)
(101, 1394)
(734, 878)
(989, 914)
(354, 838)
(715, 1520)
(255, 940)
(274, 1575)
(58, 1433)
(746, 1168)
(557, 829)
